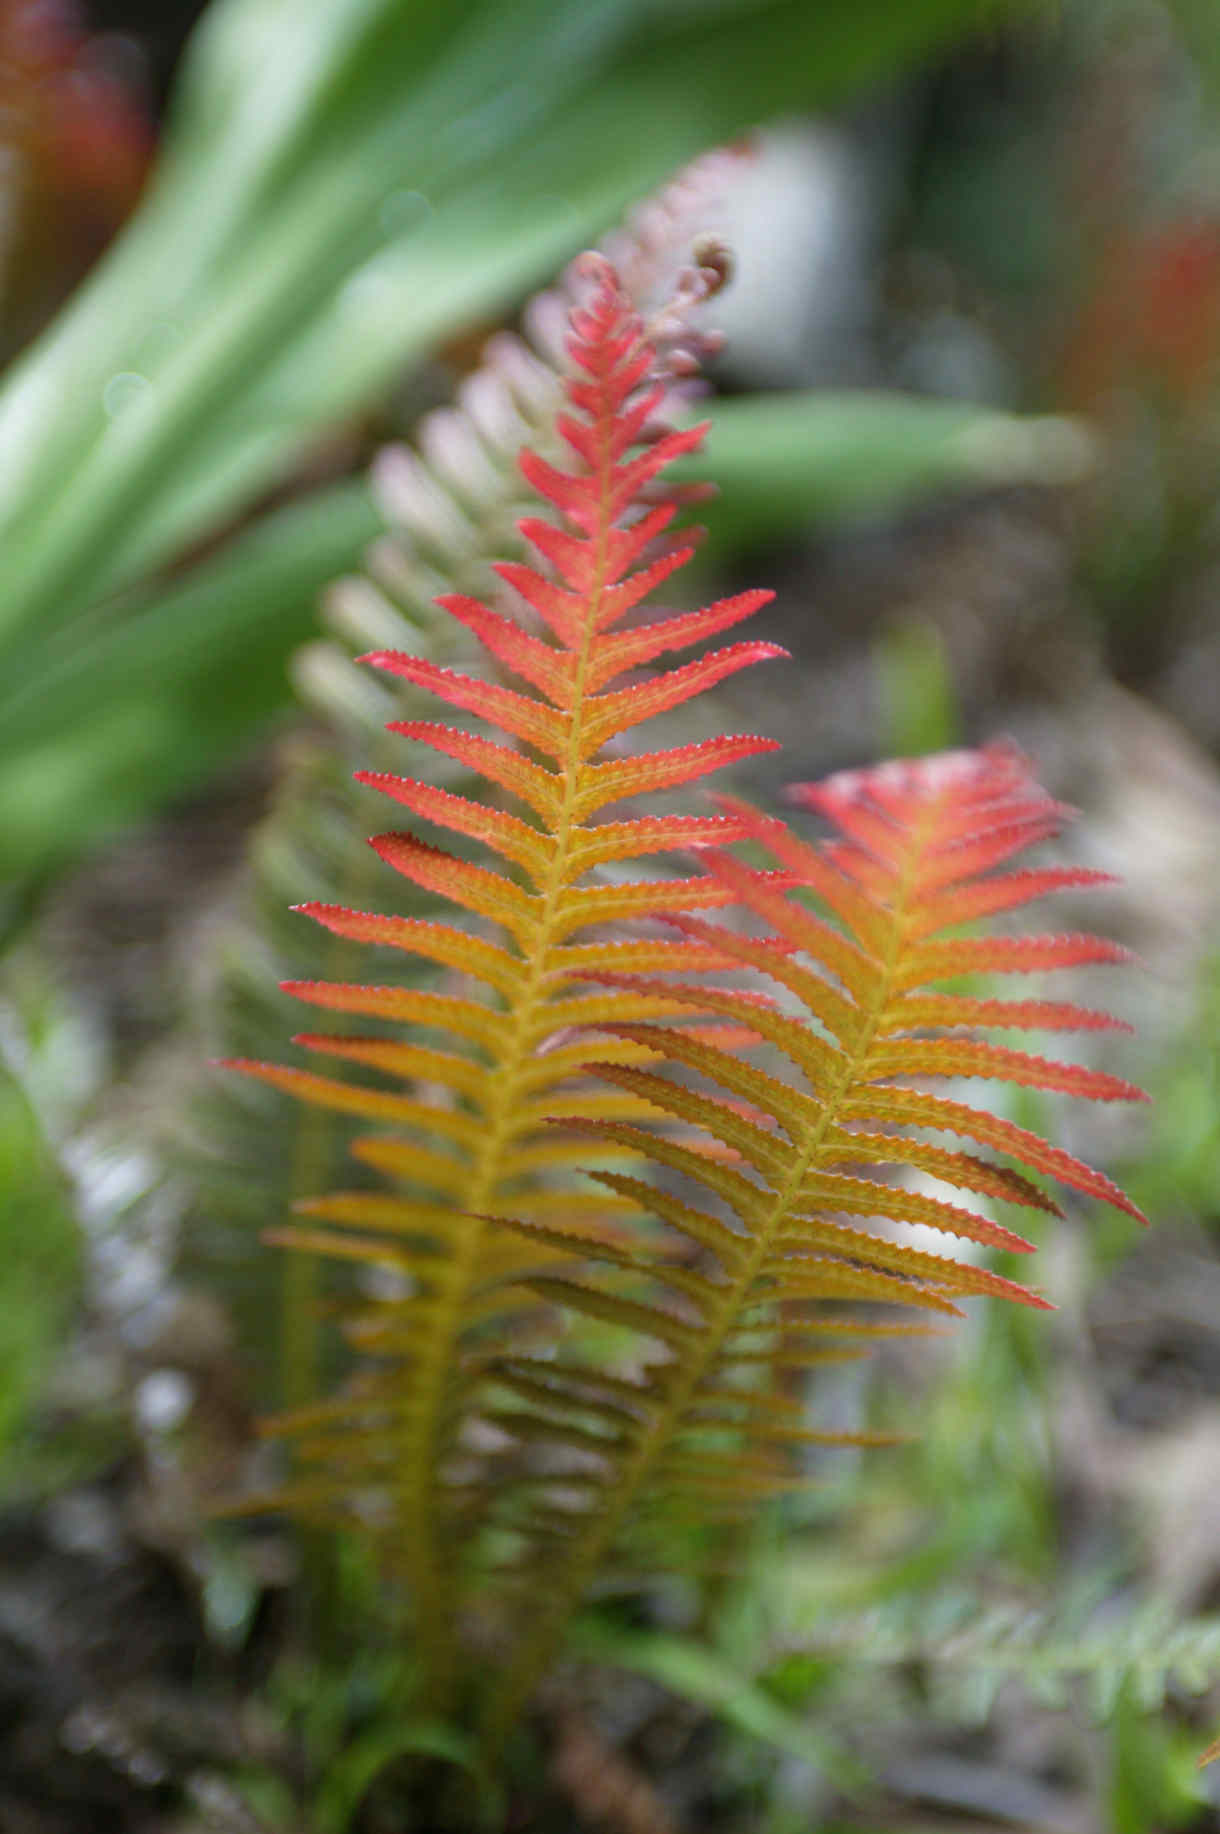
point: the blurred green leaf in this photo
(168, 684)
(1196, 21)
(98, 724)
(39, 1247)
(350, 1777)
(699, 1673)
(795, 461)
(1154, 1784)
(919, 709)
(282, 269)
(342, 183)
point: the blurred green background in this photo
(967, 425)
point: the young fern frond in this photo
(492, 1060)
(449, 500)
(778, 1178)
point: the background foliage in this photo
(1012, 1621)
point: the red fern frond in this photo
(780, 1177)
(502, 1053)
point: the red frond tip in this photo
(595, 268)
(963, 776)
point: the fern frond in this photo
(450, 502)
(775, 1212)
(1146, 1654)
(483, 1143)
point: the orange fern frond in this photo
(765, 1247)
(471, 1129)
